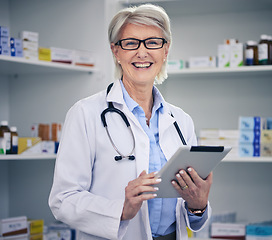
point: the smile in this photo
(142, 65)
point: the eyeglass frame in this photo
(141, 41)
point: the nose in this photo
(142, 51)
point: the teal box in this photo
(260, 229)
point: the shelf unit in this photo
(15, 65)
(230, 159)
(244, 69)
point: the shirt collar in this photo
(131, 104)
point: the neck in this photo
(142, 94)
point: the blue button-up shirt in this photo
(162, 211)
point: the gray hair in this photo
(146, 14)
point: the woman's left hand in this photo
(192, 188)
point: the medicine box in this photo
(31, 46)
(259, 231)
(173, 65)
(223, 54)
(249, 150)
(61, 55)
(29, 36)
(236, 55)
(84, 58)
(202, 62)
(16, 43)
(266, 149)
(228, 230)
(4, 31)
(250, 136)
(251, 123)
(35, 226)
(266, 136)
(4, 41)
(31, 55)
(25, 143)
(4, 51)
(13, 226)
(44, 54)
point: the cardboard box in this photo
(228, 231)
(266, 149)
(35, 226)
(4, 51)
(16, 43)
(31, 46)
(25, 143)
(266, 136)
(4, 42)
(29, 36)
(45, 54)
(4, 31)
(62, 55)
(250, 136)
(252, 123)
(31, 55)
(236, 55)
(84, 58)
(13, 226)
(249, 149)
(175, 64)
(223, 54)
(259, 231)
(202, 62)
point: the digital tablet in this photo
(202, 158)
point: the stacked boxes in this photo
(14, 228)
(255, 138)
(230, 54)
(16, 47)
(30, 44)
(4, 41)
(220, 137)
(35, 229)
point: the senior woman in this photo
(103, 167)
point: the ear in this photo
(166, 51)
(114, 50)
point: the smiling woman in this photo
(101, 194)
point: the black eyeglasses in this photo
(133, 43)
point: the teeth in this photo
(142, 65)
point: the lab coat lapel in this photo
(141, 139)
(166, 121)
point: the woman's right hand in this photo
(133, 193)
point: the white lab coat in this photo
(89, 185)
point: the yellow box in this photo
(36, 237)
(25, 143)
(266, 136)
(45, 54)
(35, 226)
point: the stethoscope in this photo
(111, 108)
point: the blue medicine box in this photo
(251, 123)
(260, 230)
(249, 149)
(16, 43)
(4, 51)
(250, 136)
(4, 31)
(4, 41)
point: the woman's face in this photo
(142, 65)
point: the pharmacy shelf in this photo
(231, 159)
(15, 65)
(237, 70)
(28, 157)
(53, 157)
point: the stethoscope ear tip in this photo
(131, 157)
(118, 158)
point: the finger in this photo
(194, 176)
(180, 179)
